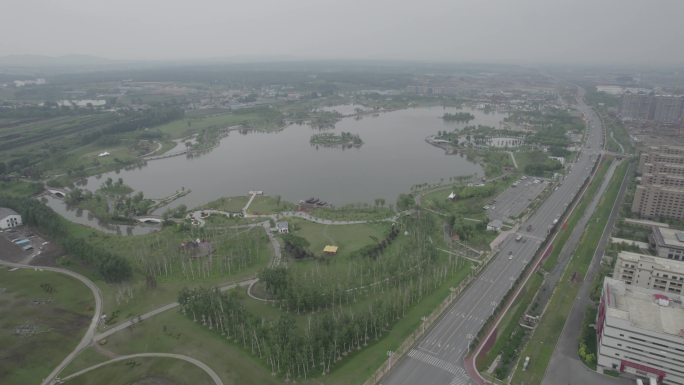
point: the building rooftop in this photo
(282, 225)
(646, 309)
(668, 237)
(662, 263)
(4, 211)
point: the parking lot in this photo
(22, 245)
(515, 199)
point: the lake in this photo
(393, 158)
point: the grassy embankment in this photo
(54, 308)
(542, 343)
(155, 370)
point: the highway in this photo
(437, 359)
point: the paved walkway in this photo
(214, 377)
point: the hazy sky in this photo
(512, 31)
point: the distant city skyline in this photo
(610, 32)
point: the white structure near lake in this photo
(9, 218)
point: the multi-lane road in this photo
(438, 358)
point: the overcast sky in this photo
(628, 32)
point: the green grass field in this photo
(264, 204)
(543, 341)
(238, 254)
(172, 332)
(349, 238)
(350, 213)
(261, 118)
(158, 371)
(53, 328)
(230, 204)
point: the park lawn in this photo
(229, 204)
(20, 188)
(218, 221)
(257, 118)
(60, 323)
(134, 297)
(163, 370)
(348, 238)
(172, 332)
(352, 213)
(543, 340)
(263, 204)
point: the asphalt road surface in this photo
(514, 200)
(437, 359)
(564, 366)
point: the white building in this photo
(669, 243)
(283, 227)
(649, 272)
(9, 218)
(640, 332)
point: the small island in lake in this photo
(344, 140)
(461, 117)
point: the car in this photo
(518, 238)
(510, 255)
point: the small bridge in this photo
(57, 192)
(150, 219)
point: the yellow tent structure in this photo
(328, 249)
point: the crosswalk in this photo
(460, 380)
(438, 363)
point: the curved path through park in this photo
(214, 377)
(90, 332)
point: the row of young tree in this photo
(112, 267)
(337, 283)
(227, 252)
(295, 351)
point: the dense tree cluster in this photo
(334, 308)
(134, 120)
(291, 350)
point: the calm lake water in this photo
(394, 157)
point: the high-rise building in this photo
(640, 332)
(661, 191)
(637, 106)
(667, 109)
(657, 201)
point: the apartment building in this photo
(649, 272)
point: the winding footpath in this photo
(90, 332)
(214, 377)
(91, 337)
